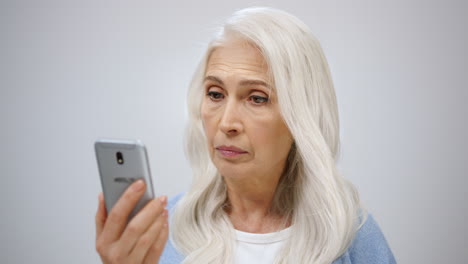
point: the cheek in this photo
(272, 138)
(208, 120)
(269, 130)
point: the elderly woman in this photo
(263, 138)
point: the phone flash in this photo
(119, 157)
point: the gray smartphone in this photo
(120, 163)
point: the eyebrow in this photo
(242, 83)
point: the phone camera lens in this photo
(120, 159)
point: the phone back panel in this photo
(117, 176)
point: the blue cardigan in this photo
(368, 247)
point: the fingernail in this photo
(138, 185)
(163, 199)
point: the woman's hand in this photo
(142, 240)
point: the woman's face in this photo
(246, 134)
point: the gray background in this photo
(74, 71)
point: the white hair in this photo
(324, 208)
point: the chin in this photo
(230, 171)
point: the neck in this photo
(250, 205)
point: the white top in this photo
(259, 248)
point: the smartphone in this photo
(120, 163)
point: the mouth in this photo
(230, 151)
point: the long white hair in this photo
(324, 208)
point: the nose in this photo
(231, 121)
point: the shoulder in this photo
(368, 246)
(173, 201)
(170, 254)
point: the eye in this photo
(215, 96)
(258, 100)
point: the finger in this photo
(156, 250)
(145, 244)
(141, 223)
(101, 215)
(146, 240)
(118, 216)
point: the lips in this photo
(230, 151)
(231, 148)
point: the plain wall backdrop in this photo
(71, 72)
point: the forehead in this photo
(237, 56)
